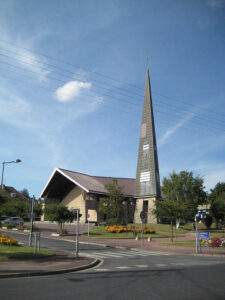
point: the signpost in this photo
(143, 219)
(88, 216)
(200, 235)
(31, 221)
(204, 236)
(77, 231)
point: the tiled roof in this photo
(96, 184)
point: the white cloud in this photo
(215, 3)
(172, 130)
(16, 52)
(71, 90)
(32, 63)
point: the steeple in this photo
(147, 177)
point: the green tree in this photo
(218, 192)
(59, 213)
(15, 207)
(218, 211)
(38, 208)
(172, 210)
(207, 220)
(25, 193)
(217, 202)
(111, 206)
(183, 187)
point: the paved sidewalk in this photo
(153, 245)
(57, 264)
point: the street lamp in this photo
(124, 203)
(3, 168)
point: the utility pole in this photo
(77, 233)
(3, 169)
(31, 221)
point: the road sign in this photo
(203, 235)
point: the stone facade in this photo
(76, 199)
(150, 216)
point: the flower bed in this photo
(215, 242)
(132, 228)
(5, 240)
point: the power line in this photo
(69, 64)
(102, 75)
(116, 98)
(173, 113)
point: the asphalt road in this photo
(125, 274)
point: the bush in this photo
(217, 242)
(5, 240)
(10, 226)
(208, 221)
(131, 228)
(116, 229)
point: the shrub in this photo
(131, 228)
(9, 226)
(216, 242)
(116, 229)
(208, 221)
(5, 240)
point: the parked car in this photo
(2, 218)
(14, 221)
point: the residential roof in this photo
(91, 184)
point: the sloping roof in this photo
(12, 190)
(92, 184)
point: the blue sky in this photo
(72, 79)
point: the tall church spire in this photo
(147, 176)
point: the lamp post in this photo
(125, 215)
(3, 168)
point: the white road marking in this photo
(121, 254)
(178, 264)
(141, 266)
(123, 267)
(102, 270)
(106, 254)
(161, 265)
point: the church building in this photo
(83, 191)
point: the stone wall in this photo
(139, 207)
(76, 199)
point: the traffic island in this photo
(56, 264)
(19, 261)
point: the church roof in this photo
(62, 181)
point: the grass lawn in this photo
(184, 243)
(162, 231)
(21, 252)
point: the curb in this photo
(44, 273)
